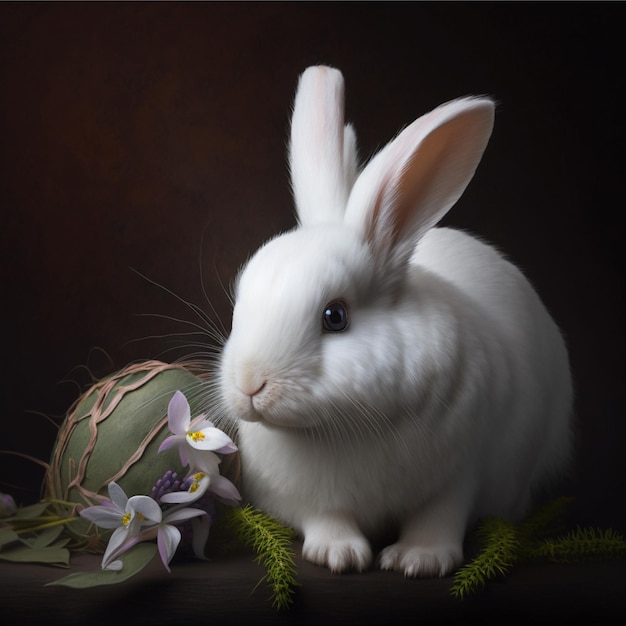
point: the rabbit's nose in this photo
(254, 390)
(250, 385)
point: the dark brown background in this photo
(151, 137)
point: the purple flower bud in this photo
(7, 505)
(169, 482)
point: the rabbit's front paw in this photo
(334, 540)
(338, 554)
(421, 562)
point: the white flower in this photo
(168, 536)
(139, 519)
(197, 440)
(127, 516)
(203, 482)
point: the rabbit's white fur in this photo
(447, 397)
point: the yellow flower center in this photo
(196, 481)
(126, 518)
(196, 436)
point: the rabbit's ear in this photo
(322, 154)
(415, 180)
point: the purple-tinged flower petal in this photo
(127, 544)
(117, 495)
(145, 509)
(118, 537)
(180, 515)
(179, 497)
(171, 441)
(178, 414)
(184, 457)
(107, 503)
(203, 461)
(223, 488)
(103, 516)
(168, 538)
(229, 448)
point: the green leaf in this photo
(44, 538)
(47, 555)
(28, 512)
(8, 536)
(134, 561)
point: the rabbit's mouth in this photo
(273, 414)
(257, 406)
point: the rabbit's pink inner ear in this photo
(435, 177)
(417, 178)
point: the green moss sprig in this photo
(500, 551)
(581, 544)
(505, 544)
(273, 544)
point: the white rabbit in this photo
(385, 373)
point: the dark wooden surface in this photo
(151, 137)
(230, 591)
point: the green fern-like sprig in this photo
(505, 544)
(272, 543)
(500, 551)
(581, 544)
(546, 520)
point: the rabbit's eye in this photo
(335, 316)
